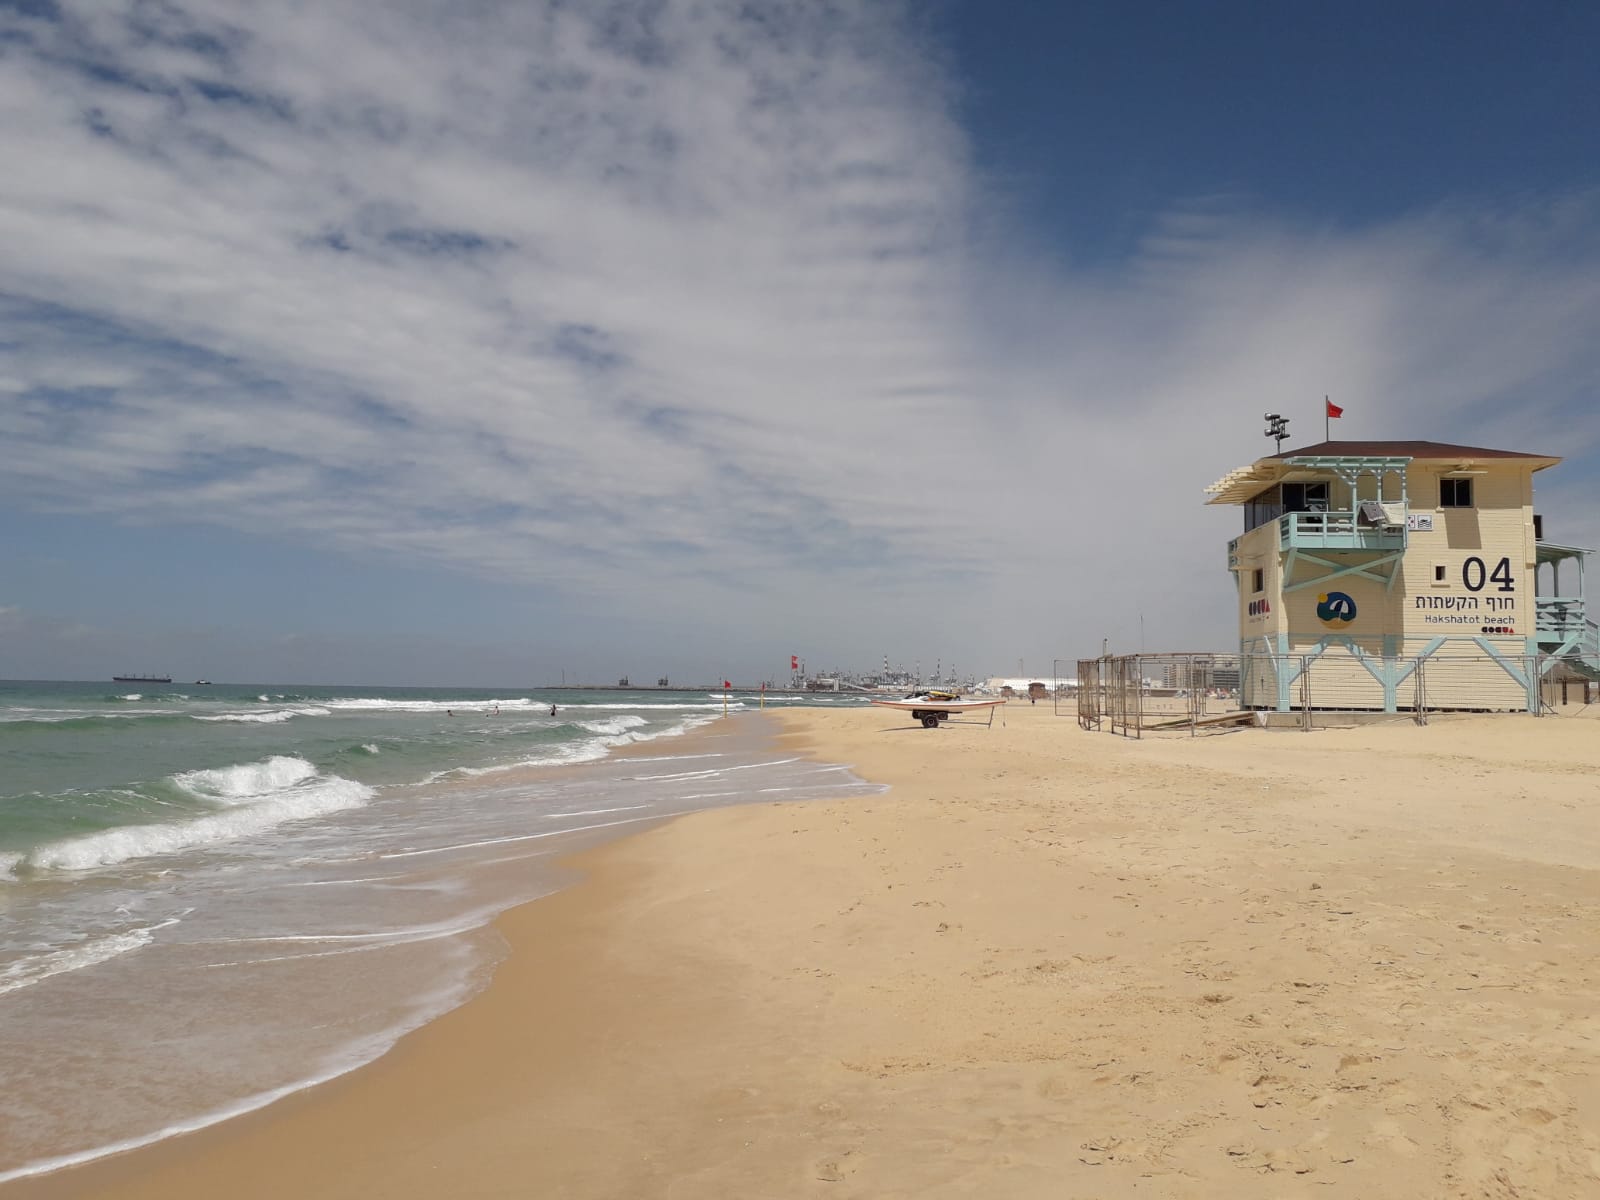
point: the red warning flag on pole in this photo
(1330, 410)
(726, 684)
(794, 662)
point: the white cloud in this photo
(651, 302)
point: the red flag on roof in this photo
(1333, 409)
(794, 662)
(726, 684)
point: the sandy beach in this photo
(1351, 963)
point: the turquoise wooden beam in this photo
(1360, 570)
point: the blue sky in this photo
(483, 343)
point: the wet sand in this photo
(1352, 963)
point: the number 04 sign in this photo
(1475, 575)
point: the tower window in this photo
(1258, 579)
(1455, 493)
(1305, 497)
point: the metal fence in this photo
(1348, 679)
(1195, 692)
(1132, 694)
(1079, 693)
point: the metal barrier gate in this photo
(1191, 692)
(1171, 692)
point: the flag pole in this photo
(1327, 420)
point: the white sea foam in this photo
(246, 781)
(610, 733)
(707, 773)
(29, 971)
(370, 747)
(267, 718)
(593, 812)
(257, 797)
(612, 725)
(713, 772)
(570, 754)
(517, 837)
(465, 922)
(357, 703)
(19, 715)
(679, 757)
(646, 707)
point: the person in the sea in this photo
(552, 710)
(449, 712)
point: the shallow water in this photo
(233, 918)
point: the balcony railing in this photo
(1558, 617)
(1337, 531)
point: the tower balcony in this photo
(1371, 526)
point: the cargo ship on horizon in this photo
(141, 679)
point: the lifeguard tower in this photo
(1387, 576)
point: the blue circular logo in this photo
(1334, 607)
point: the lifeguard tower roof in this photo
(1239, 485)
(1408, 450)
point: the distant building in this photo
(1200, 672)
(1020, 684)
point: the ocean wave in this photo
(570, 754)
(29, 971)
(273, 717)
(246, 781)
(266, 718)
(612, 725)
(611, 734)
(376, 704)
(257, 797)
(18, 720)
(644, 707)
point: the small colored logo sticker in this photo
(1334, 607)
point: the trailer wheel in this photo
(930, 720)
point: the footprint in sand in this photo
(1389, 1136)
(832, 1170)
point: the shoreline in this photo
(720, 737)
(1047, 962)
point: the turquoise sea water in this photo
(214, 895)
